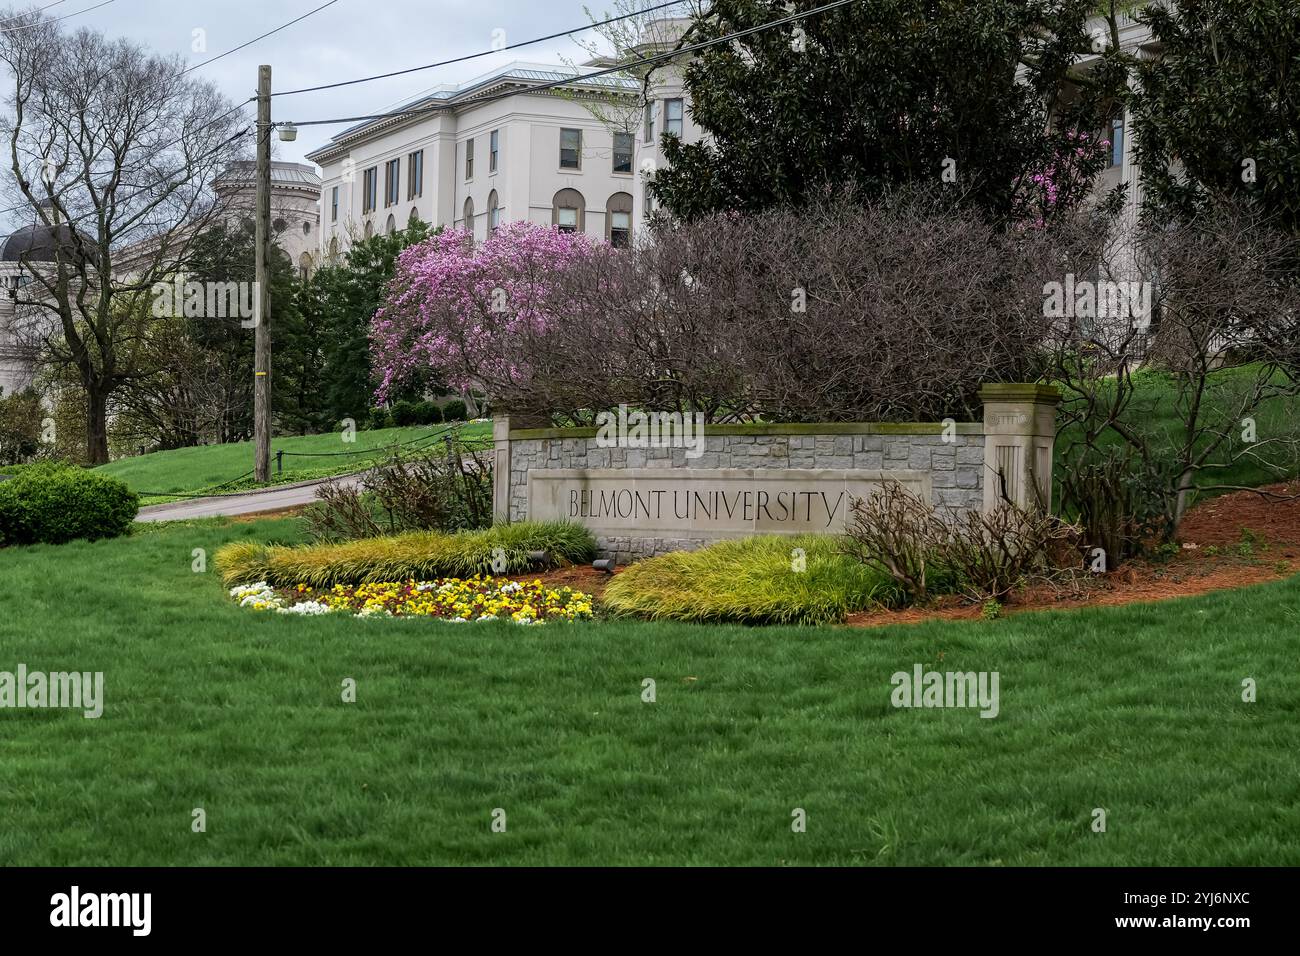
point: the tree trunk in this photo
(96, 427)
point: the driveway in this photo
(267, 499)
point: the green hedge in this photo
(52, 504)
(751, 581)
(419, 555)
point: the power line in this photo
(239, 106)
(256, 39)
(66, 16)
(475, 56)
(621, 68)
(41, 10)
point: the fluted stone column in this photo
(1019, 438)
(501, 469)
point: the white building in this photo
(295, 206)
(487, 152)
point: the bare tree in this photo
(1196, 383)
(112, 149)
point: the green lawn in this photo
(189, 470)
(1136, 710)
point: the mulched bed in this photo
(1232, 541)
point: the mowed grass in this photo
(1135, 710)
(188, 470)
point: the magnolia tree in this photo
(488, 317)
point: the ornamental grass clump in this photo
(422, 556)
(760, 580)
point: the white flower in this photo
(488, 617)
(306, 607)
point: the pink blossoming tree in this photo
(477, 316)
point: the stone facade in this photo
(954, 464)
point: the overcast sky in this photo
(350, 39)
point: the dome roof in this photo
(37, 243)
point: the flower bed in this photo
(456, 600)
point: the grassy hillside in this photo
(188, 470)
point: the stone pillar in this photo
(1019, 437)
(501, 470)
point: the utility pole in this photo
(262, 331)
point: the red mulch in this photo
(1270, 525)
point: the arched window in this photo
(391, 227)
(469, 216)
(304, 266)
(306, 228)
(569, 211)
(334, 249)
(370, 229)
(618, 220)
(414, 217)
(494, 212)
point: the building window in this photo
(304, 266)
(623, 149)
(391, 227)
(392, 179)
(369, 189)
(370, 229)
(413, 218)
(568, 211)
(650, 122)
(494, 212)
(334, 249)
(469, 160)
(469, 216)
(493, 145)
(334, 204)
(1117, 141)
(306, 228)
(415, 174)
(618, 220)
(673, 117)
(570, 149)
(648, 200)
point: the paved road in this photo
(271, 499)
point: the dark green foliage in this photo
(454, 411)
(53, 504)
(20, 427)
(340, 300)
(880, 94)
(1223, 91)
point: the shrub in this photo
(427, 413)
(983, 555)
(405, 414)
(431, 493)
(751, 581)
(53, 504)
(380, 418)
(455, 411)
(422, 555)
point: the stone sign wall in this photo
(766, 479)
